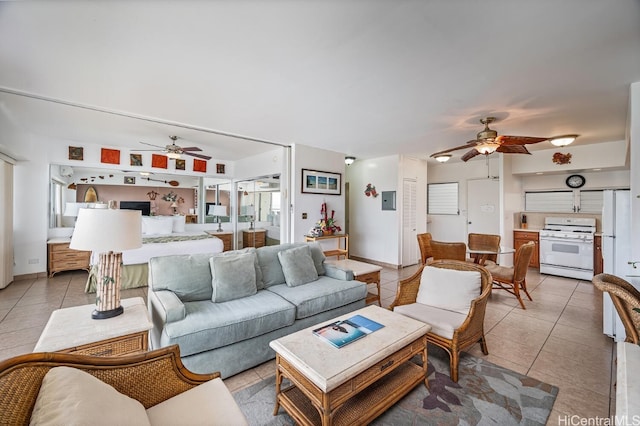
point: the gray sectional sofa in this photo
(224, 309)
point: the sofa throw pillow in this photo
(69, 396)
(232, 276)
(448, 288)
(298, 266)
(259, 281)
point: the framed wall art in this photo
(180, 164)
(110, 156)
(135, 159)
(130, 180)
(159, 161)
(199, 165)
(76, 153)
(318, 182)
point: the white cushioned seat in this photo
(210, 403)
(442, 322)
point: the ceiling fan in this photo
(487, 141)
(174, 151)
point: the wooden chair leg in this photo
(516, 291)
(524, 288)
(483, 345)
(453, 365)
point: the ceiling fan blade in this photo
(191, 148)
(519, 140)
(204, 157)
(513, 149)
(150, 144)
(470, 154)
(468, 145)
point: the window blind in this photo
(442, 198)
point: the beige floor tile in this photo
(510, 350)
(266, 369)
(10, 352)
(575, 401)
(477, 352)
(20, 322)
(540, 296)
(592, 304)
(593, 338)
(242, 380)
(542, 310)
(574, 316)
(583, 353)
(26, 336)
(573, 373)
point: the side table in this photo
(365, 272)
(71, 330)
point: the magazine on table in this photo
(341, 333)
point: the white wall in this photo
(594, 180)
(374, 234)
(583, 157)
(305, 157)
(634, 138)
(454, 227)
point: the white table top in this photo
(358, 268)
(71, 327)
(328, 366)
(501, 250)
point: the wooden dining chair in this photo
(450, 251)
(484, 242)
(424, 242)
(625, 298)
(513, 279)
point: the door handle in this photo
(634, 264)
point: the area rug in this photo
(485, 394)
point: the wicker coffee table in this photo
(353, 384)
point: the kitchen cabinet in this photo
(522, 237)
(597, 255)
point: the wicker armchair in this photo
(513, 279)
(471, 330)
(424, 242)
(484, 242)
(625, 297)
(450, 251)
(150, 378)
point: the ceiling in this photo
(367, 78)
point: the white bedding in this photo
(149, 250)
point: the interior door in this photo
(483, 206)
(410, 255)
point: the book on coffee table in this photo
(341, 333)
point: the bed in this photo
(154, 244)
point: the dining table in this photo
(483, 254)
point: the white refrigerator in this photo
(616, 253)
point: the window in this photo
(590, 202)
(442, 198)
(549, 201)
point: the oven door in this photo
(567, 253)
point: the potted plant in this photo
(327, 224)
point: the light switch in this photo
(304, 215)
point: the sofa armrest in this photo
(339, 274)
(169, 306)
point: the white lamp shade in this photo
(250, 211)
(104, 230)
(217, 211)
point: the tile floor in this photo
(557, 339)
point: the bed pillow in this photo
(448, 288)
(178, 223)
(297, 266)
(233, 276)
(158, 225)
(71, 394)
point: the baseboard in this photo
(33, 276)
(375, 262)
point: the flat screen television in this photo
(143, 206)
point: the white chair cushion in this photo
(208, 403)
(69, 396)
(442, 322)
(448, 288)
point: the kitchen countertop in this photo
(526, 229)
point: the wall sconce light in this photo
(563, 140)
(443, 158)
(349, 160)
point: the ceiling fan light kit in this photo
(487, 147)
(174, 151)
(443, 158)
(563, 140)
(349, 160)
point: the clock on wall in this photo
(575, 181)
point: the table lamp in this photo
(108, 232)
(218, 211)
(251, 211)
(174, 206)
